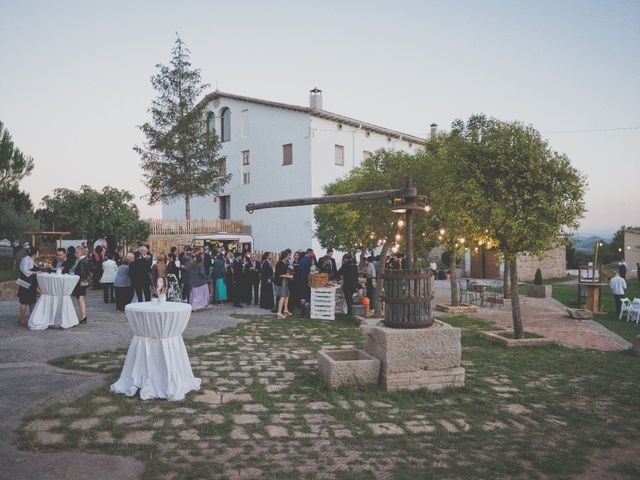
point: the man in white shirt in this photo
(618, 286)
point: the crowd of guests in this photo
(202, 276)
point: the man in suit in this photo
(237, 279)
(254, 278)
(140, 273)
(59, 259)
(328, 265)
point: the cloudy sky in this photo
(74, 81)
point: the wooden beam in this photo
(347, 197)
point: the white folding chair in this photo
(624, 307)
(634, 311)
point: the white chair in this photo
(634, 311)
(624, 307)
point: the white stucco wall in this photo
(325, 135)
(263, 130)
(268, 130)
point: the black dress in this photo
(266, 285)
(82, 270)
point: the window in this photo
(211, 122)
(246, 178)
(245, 157)
(366, 154)
(244, 123)
(225, 206)
(223, 166)
(339, 155)
(225, 125)
(287, 154)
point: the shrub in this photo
(537, 279)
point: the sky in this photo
(75, 77)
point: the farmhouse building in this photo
(276, 151)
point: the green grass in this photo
(568, 295)
(527, 411)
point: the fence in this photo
(197, 226)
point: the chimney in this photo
(315, 99)
(434, 130)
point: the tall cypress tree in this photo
(180, 155)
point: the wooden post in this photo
(409, 240)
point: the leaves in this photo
(180, 156)
(14, 165)
(91, 214)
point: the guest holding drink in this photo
(81, 268)
(281, 281)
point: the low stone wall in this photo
(553, 265)
(8, 290)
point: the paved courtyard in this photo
(263, 411)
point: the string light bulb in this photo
(442, 231)
(398, 237)
(400, 223)
(427, 208)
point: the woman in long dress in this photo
(199, 293)
(266, 282)
(27, 290)
(218, 272)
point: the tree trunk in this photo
(455, 294)
(506, 284)
(112, 244)
(380, 280)
(518, 329)
(187, 206)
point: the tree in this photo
(348, 226)
(14, 165)
(452, 194)
(180, 156)
(16, 217)
(16, 209)
(94, 214)
(529, 192)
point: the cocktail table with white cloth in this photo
(157, 362)
(54, 307)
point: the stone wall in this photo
(8, 290)
(631, 250)
(553, 265)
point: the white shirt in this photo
(618, 285)
(109, 268)
(26, 264)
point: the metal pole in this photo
(409, 239)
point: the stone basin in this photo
(348, 367)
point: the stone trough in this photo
(348, 367)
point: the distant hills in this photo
(587, 243)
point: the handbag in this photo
(84, 283)
(22, 283)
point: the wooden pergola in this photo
(41, 234)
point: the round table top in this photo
(57, 284)
(158, 307)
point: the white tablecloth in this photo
(54, 307)
(157, 362)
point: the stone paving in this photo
(549, 318)
(263, 412)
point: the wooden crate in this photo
(318, 280)
(323, 303)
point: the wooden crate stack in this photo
(323, 303)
